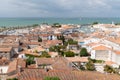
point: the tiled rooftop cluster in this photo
(102, 44)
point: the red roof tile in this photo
(37, 74)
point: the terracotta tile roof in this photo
(5, 49)
(66, 27)
(21, 62)
(32, 51)
(32, 66)
(56, 63)
(107, 25)
(9, 39)
(77, 59)
(31, 74)
(53, 42)
(74, 35)
(12, 66)
(41, 61)
(44, 35)
(109, 63)
(2, 36)
(115, 39)
(98, 34)
(57, 34)
(29, 52)
(15, 63)
(32, 43)
(101, 47)
(80, 40)
(15, 45)
(53, 53)
(61, 64)
(92, 44)
(116, 52)
(4, 61)
(39, 48)
(37, 74)
(5, 46)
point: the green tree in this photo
(69, 54)
(13, 79)
(109, 69)
(83, 52)
(58, 37)
(61, 38)
(90, 66)
(45, 54)
(34, 25)
(51, 78)
(60, 49)
(95, 61)
(30, 60)
(56, 25)
(57, 48)
(95, 23)
(54, 48)
(71, 41)
(65, 43)
(82, 67)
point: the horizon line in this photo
(59, 17)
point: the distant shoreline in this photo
(15, 22)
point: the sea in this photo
(14, 22)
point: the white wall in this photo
(3, 69)
(113, 57)
(110, 55)
(93, 54)
(117, 59)
(104, 55)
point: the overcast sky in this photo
(59, 8)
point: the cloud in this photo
(59, 8)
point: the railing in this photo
(73, 64)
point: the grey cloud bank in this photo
(59, 8)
